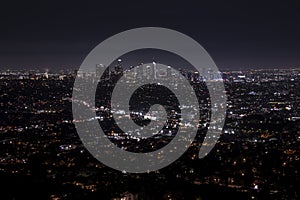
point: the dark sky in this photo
(59, 34)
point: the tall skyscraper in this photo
(119, 68)
(101, 68)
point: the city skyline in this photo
(257, 156)
(87, 113)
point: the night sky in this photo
(238, 35)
